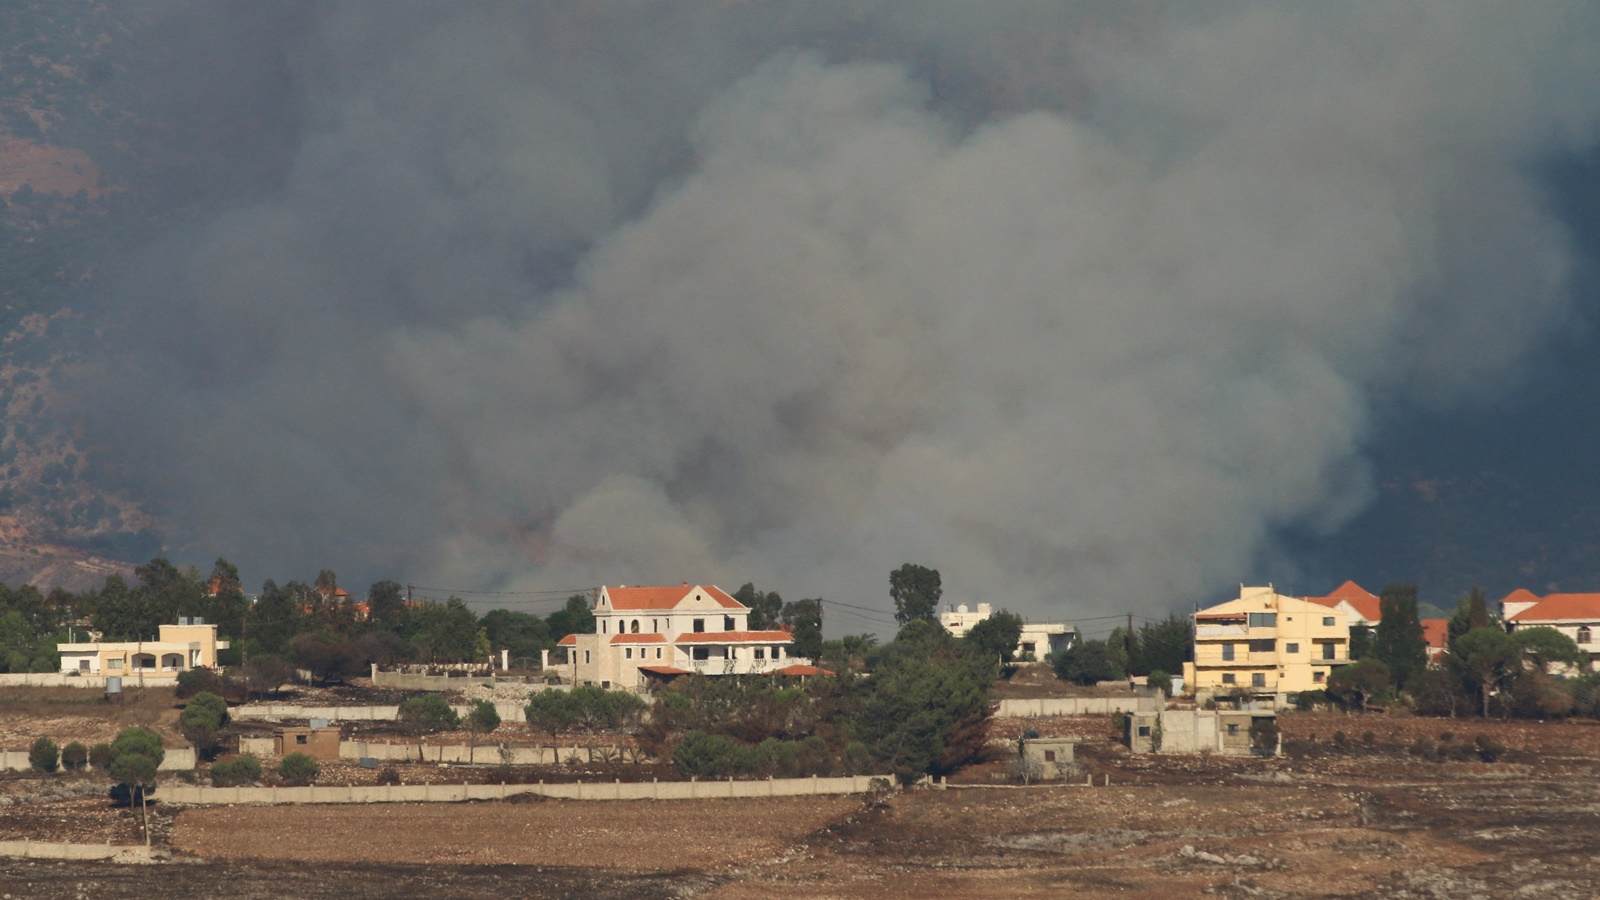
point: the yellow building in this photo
(191, 644)
(1266, 643)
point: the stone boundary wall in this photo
(177, 759)
(275, 712)
(1077, 706)
(59, 850)
(454, 793)
(487, 753)
(59, 679)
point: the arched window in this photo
(635, 628)
(1583, 634)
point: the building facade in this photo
(1360, 606)
(1266, 644)
(1575, 615)
(190, 644)
(644, 633)
(1037, 640)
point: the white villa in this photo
(1037, 640)
(190, 644)
(659, 633)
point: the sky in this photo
(1093, 307)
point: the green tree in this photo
(1355, 684)
(1360, 641)
(326, 656)
(1544, 646)
(298, 770)
(805, 618)
(1487, 658)
(916, 591)
(1472, 611)
(274, 619)
(74, 756)
(386, 607)
(1165, 645)
(226, 604)
(765, 608)
(597, 710)
(202, 720)
(523, 634)
(925, 710)
(1084, 662)
(43, 755)
(134, 758)
(996, 636)
(446, 632)
(1399, 642)
(551, 712)
(483, 719)
(241, 770)
(574, 618)
(428, 714)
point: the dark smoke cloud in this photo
(1075, 303)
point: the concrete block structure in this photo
(321, 743)
(190, 644)
(1052, 757)
(1222, 731)
(1265, 645)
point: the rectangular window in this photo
(1258, 679)
(585, 657)
(1233, 730)
(1227, 653)
(699, 626)
(299, 739)
(1263, 620)
(727, 623)
(1027, 648)
(1291, 648)
(1049, 756)
(1327, 620)
(1227, 678)
(1319, 677)
(702, 653)
(115, 663)
(83, 665)
(658, 653)
(1328, 651)
(628, 653)
(1263, 646)
(761, 653)
(1144, 731)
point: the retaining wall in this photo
(487, 753)
(274, 712)
(59, 850)
(177, 759)
(1077, 706)
(452, 793)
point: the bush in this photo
(1489, 750)
(1160, 681)
(1306, 701)
(202, 720)
(388, 775)
(74, 756)
(1264, 736)
(100, 756)
(1340, 740)
(234, 772)
(1425, 748)
(195, 681)
(44, 755)
(298, 770)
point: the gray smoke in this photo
(1077, 304)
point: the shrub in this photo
(1368, 738)
(1264, 736)
(74, 756)
(298, 769)
(1489, 750)
(100, 756)
(44, 755)
(202, 720)
(240, 770)
(388, 775)
(1160, 681)
(1340, 739)
(195, 681)
(1425, 748)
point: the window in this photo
(1028, 647)
(1227, 653)
(1328, 650)
(628, 653)
(604, 624)
(761, 653)
(654, 627)
(1263, 646)
(1227, 678)
(1258, 679)
(658, 653)
(699, 626)
(585, 657)
(1049, 756)
(1319, 677)
(702, 653)
(635, 628)
(1144, 731)
(1291, 648)
(83, 665)
(1233, 730)
(299, 739)
(1583, 634)
(1263, 620)
(114, 663)
(727, 623)
(1328, 621)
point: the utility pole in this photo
(1127, 651)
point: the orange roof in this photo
(1363, 601)
(664, 670)
(1436, 632)
(570, 640)
(666, 597)
(800, 670)
(1520, 595)
(1562, 608)
(639, 639)
(736, 637)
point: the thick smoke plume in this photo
(1078, 305)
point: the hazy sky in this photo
(1085, 305)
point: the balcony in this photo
(1205, 631)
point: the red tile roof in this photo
(570, 640)
(639, 639)
(1436, 632)
(666, 597)
(1561, 608)
(664, 670)
(736, 637)
(1363, 601)
(1520, 595)
(800, 670)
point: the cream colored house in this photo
(644, 633)
(1267, 644)
(1037, 640)
(1575, 615)
(190, 644)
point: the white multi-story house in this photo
(1037, 640)
(1575, 615)
(660, 633)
